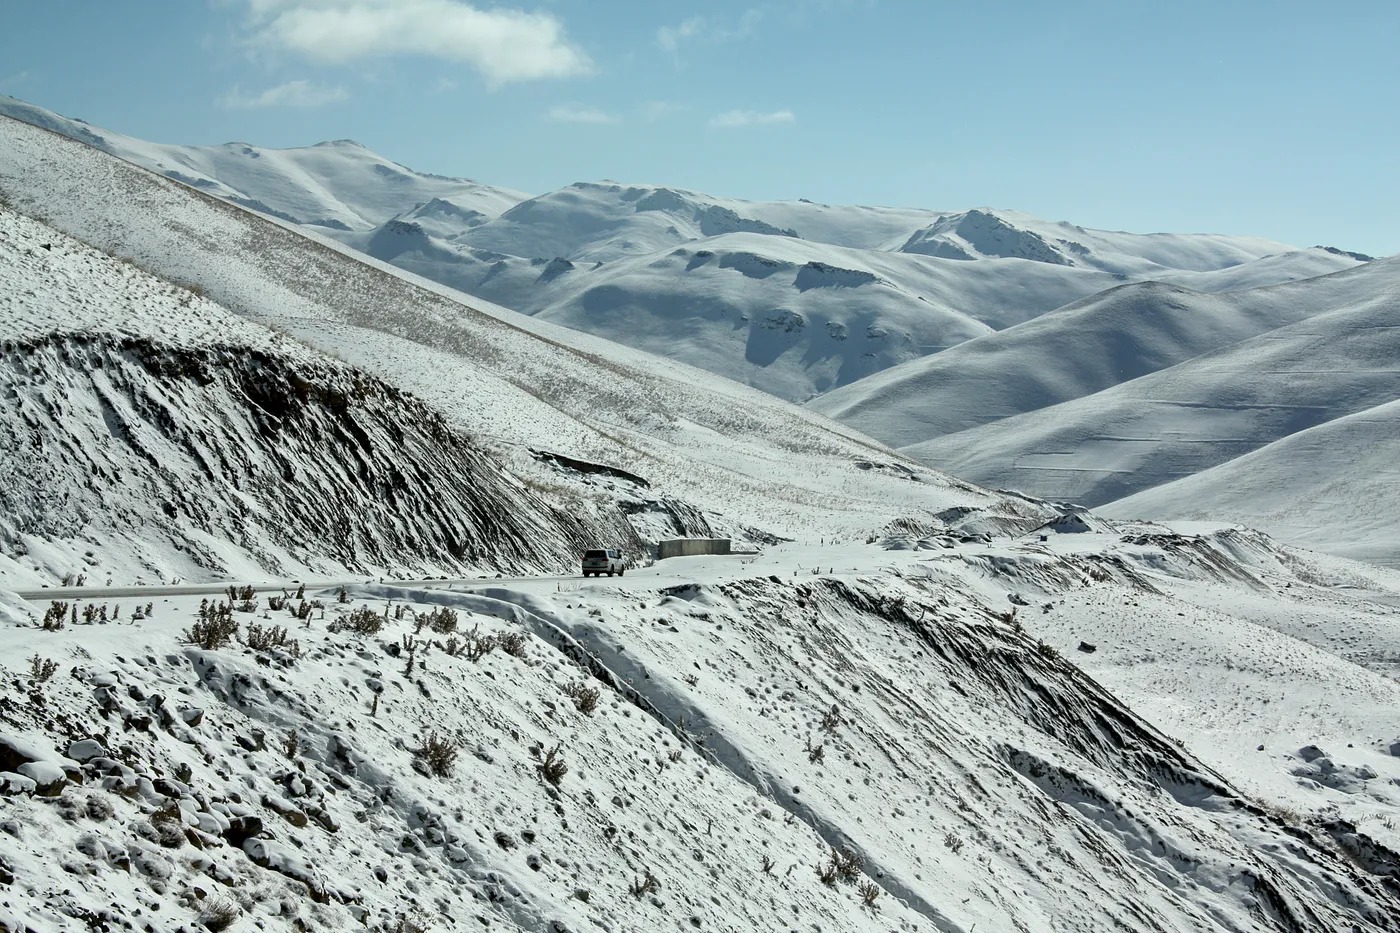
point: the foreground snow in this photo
(751, 712)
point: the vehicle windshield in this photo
(595, 555)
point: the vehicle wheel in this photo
(621, 571)
(609, 573)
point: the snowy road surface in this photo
(209, 589)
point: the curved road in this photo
(210, 589)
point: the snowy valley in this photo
(913, 704)
(1068, 363)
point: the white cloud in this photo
(291, 94)
(669, 37)
(572, 113)
(733, 118)
(14, 79)
(504, 45)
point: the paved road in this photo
(209, 589)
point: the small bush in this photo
(55, 616)
(218, 914)
(585, 698)
(512, 643)
(476, 646)
(848, 864)
(439, 753)
(212, 633)
(831, 719)
(265, 638)
(243, 597)
(641, 887)
(42, 669)
(768, 865)
(442, 621)
(552, 768)
(99, 808)
(952, 841)
(841, 865)
(869, 893)
(362, 621)
(169, 824)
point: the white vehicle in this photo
(604, 560)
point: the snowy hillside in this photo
(749, 462)
(337, 185)
(871, 749)
(791, 312)
(1331, 487)
(148, 434)
(1083, 348)
(1183, 419)
(1150, 383)
(884, 724)
(793, 297)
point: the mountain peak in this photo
(1359, 257)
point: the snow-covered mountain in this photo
(1149, 384)
(753, 465)
(794, 297)
(885, 723)
(149, 434)
(780, 297)
(337, 185)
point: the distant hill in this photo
(793, 297)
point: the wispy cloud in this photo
(669, 37)
(654, 110)
(733, 118)
(14, 80)
(572, 113)
(696, 28)
(291, 94)
(504, 45)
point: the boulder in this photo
(15, 785)
(48, 777)
(85, 750)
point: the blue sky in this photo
(1276, 119)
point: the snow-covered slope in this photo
(749, 460)
(793, 297)
(1083, 348)
(1197, 414)
(338, 185)
(688, 751)
(985, 233)
(148, 434)
(681, 748)
(1331, 487)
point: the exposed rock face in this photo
(297, 464)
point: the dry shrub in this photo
(584, 697)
